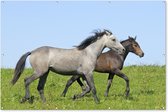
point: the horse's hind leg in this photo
(69, 82)
(81, 84)
(27, 83)
(110, 78)
(87, 90)
(41, 84)
(120, 74)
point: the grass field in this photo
(147, 91)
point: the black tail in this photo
(20, 67)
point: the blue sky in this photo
(28, 25)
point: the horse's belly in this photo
(64, 70)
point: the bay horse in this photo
(111, 62)
(78, 61)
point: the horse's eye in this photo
(114, 40)
(135, 45)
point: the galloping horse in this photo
(79, 61)
(111, 62)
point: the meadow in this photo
(147, 91)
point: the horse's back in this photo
(60, 60)
(64, 60)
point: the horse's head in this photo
(112, 42)
(134, 47)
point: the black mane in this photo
(97, 35)
(128, 41)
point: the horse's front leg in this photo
(110, 78)
(90, 82)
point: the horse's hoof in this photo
(23, 100)
(31, 99)
(43, 100)
(62, 95)
(83, 88)
(127, 94)
(97, 101)
(74, 97)
(106, 94)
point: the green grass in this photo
(147, 91)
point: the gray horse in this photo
(79, 61)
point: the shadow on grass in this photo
(123, 97)
(147, 92)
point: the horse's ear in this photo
(129, 37)
(135, 37)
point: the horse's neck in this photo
(96, 48)
(125, 54)
(126, 51)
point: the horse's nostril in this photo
(123, 50)
(142, 54)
